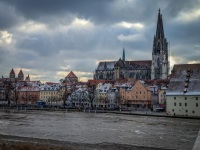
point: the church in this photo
(155, 69)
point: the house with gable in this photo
(183, 94)
(71, 78)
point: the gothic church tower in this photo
(160, 64)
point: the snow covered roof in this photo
(105, 87)
(185, 80)
(49, 89)
(108, 65)
(29, 88)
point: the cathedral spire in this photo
(160, 65)
(123, 55)
(159, 30)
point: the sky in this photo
(47, 39)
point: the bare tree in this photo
(16, 95)
(91, 91)
(7, 90)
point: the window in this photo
(173, 110)
(185, 98)
(193, 112)
(185, 104)
(186, 111)
(140, 93)
(179, 104)
(174, 104)
(174, 98)
(196, 98)
(197, 105)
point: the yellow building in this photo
(52, 95)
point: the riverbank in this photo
(23, 143)
(122, 112)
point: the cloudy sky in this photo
(49, 38)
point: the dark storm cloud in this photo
(36, 10)
(104, 11)
(8, 16)
(47, 40)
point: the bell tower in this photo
(160, 64)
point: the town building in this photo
(80, 98)
(51, 93)
(162, 96)
(157, 68)
(183, 94)
(101, 94)
(28, 94)
(113, 99)
(137, 96)
(71, 78)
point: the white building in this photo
(112, 98)
(80, 98)
(183, 95)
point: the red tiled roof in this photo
(12, 71)
(140, 62)
(71, 75)
(95, 82)
(51, 83)
(157, 82)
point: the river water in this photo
(79, 127)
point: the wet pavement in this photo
(93, 128)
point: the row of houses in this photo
(180, 95)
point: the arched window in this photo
(158, 62)
(101, 76)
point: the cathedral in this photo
(154, 69)
(13, 78)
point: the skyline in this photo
(48, 40)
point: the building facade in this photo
(51, 94)
(183, 94)
(139, 96)
(71, 78)
(120, 69)
(28, 94)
